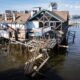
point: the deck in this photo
(37, 53)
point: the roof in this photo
(24, 17)
(61, 14)
(20, 18)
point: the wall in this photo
(22, 31)
(14, 26)
(65, 28)
(4, 34)
(41, 31)
(35, 25)
(32, 24)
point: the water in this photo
(12, 62)
(71, 64)
(63, 64)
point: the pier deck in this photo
(37, 58)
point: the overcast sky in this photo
(70, 5)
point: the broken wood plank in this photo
(40, 67)
(39, 56)
(64, 46)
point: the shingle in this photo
(61, 14)
(20, 18)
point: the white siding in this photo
(47, 29)
(32, 24)
(40, 31)
(14, 26)
(4, 34)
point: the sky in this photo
(73, 6)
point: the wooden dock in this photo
(37, 53)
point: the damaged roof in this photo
(24, 17)
(60, 15)
(19, 18)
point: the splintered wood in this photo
(39, 59)
(36, 58)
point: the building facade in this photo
(36, 23)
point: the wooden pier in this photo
(37, 53)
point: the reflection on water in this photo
(63, 64)
(12, 62)
(11, 59)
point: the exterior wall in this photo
(40, 31)
(65, 28)
(32, 24)
(4, 34)
(15, 26)
(20, 33)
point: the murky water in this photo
(66, 63)
(63, 64)
(71, 66)
(12, 61)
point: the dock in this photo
(37, 53)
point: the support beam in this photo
(61, 26)
(58, 26)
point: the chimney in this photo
(53, 6)
(35, 10)
(14, 16)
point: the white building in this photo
(35, 23)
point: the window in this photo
(51, 24)
(10, 34)
(18, 30)
(46, 24)
(40, 24)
